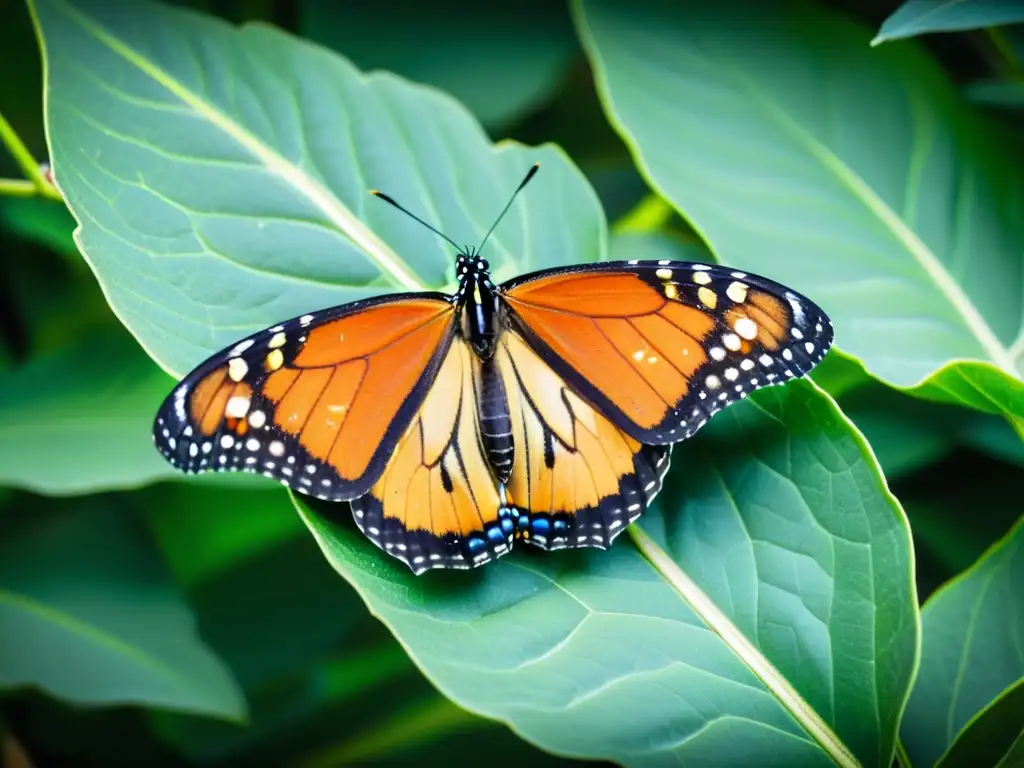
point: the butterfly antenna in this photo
(523, 183)
(437, 232)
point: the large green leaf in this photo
(78, 420)
(918, 17)
(774, 612)
(994, 737)
(205, 532)
(321, 676)
(40, 221)
(908, 434)
(971, 651)
(453, 45)
(858, 176)
(89, 615)
(296, 638)
(219, 176)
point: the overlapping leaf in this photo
(78, 420)
(855, 175)
(89, 616)
(919, 17)
(220, 176)
(971, 659)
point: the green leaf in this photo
(206, 532)
(219, 175)
(40, 221)
(90, 616)
(453, 45)
(326, 700)
(971, 652)
(774, 612)
(654, 246)
(901, 443)
(996, 94)
(919, 17)
(304, 653)
(887, 201)
(908, 434)
(79, 420)
(994, 737)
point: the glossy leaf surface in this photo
(887, 202)
(781, 535)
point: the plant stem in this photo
(17, 188)
(1011, 67)
(28, 164)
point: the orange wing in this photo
(437, 504)
(318, 402)
(577, 479)
(659, 347)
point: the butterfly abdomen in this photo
(495, 422)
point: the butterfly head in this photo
(477, 299)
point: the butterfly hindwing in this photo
(660, 347)
(437, 503)
(578, 479)
(317, 402)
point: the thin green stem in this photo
(29, 165)
(17, 188)
(902, 759)
(424, 722)
(1012, 68)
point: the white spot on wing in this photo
(237, 368)
(746, 328)
(240, 347)
(237, 407)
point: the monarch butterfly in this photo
(543, 409)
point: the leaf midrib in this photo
(921, 253)
(736, 641)
(321, 197)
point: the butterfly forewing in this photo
(660, 347)
(317, 402)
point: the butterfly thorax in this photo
(478, 304)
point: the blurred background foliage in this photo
(253, 615)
